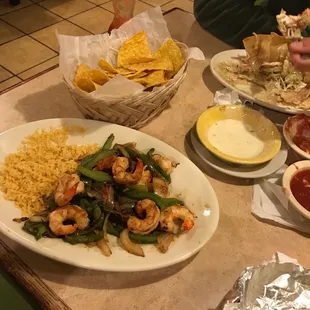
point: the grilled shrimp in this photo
(120, 174)
(68, 186)
(165, 163)
(149, 223)
(169, 217)
(73, 213)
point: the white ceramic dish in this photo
(291, 144)
(245, 172)
(286, 181)
(198, 195)
(233, 55)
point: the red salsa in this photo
(299, 129)
(300, 187)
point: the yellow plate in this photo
(264, 129)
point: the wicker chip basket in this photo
(135, 111)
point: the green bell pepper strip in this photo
(138, 188)
(162, 203)
(149, 162)
(108, 144)
(146, 239)
(90, 161)
(98, 176)
(92, 237)
(97, 157)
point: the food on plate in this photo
(80, 194)
(291, 26)
(235, 138)
(135, 62)
(267, 74)
(300, 187)
(298, 127)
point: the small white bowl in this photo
(286, 184)
(293, 146)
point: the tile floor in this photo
(28, 44)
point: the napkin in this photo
(270, 203)
(226, 96)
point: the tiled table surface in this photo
(28, 44)
(240, 240)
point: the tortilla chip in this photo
(155, 78)
(170, 50)
(124, 71)
(104, 65)
(81, 70)
(135, 50)
(161, 63)
(258, 46)
(97, 76)
(278, 48)
(138, 74)
(85, 84)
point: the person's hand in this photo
(116, 23)
(300, 54)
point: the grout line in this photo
(12, 39)
(90, 33)
(66, 18)
(31, 3)
(13, 27)
(40, 63)
(8, 79)
(7, 70)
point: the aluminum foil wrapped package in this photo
(281, 284)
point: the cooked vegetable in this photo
(90, 164)
(104, 247)
(95, 175)
(129, 246)
(92, 237)
(108, 144)
(164, 241)
(111, 195)
(162, 203)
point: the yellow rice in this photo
(32, 172)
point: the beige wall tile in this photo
(5, 6)
(96, 20)
(23, 53)
(185, 5)
(37, 69)
(156, 2)
(4, 74)
(48, 36)
(8, 33)
(139, 8)
(8, 83)
(31, 18)
(67, 9)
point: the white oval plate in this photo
(240, 171)
(233, 55)
(198, 195)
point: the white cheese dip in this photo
(235, 138)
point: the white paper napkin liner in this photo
(269, 203)
(89, 49)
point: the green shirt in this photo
(233, 20)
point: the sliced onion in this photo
(160, 187)
(38, 219)
(104, 247)
(164, 241)
(129, 246)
